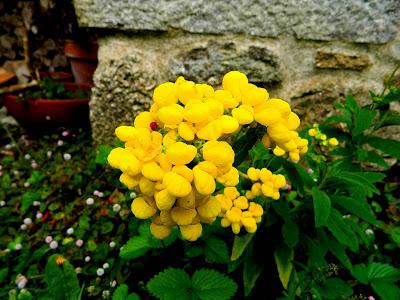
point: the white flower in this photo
(89, 201)
(39, 215)
(65, 133)
(21, 281)
(310, 171)
(70, 231)
(100, 272)
(369, 231)
(28, 221)
(54, 245)
(26, 184)
(116, 207)
(106, 266)
(78, 270)
(2, 203)
(60, 143)
(8, 146)
(34, 165)
(100, 194)
(113, 283)
(348, 216)
(27, 156)
(16, 172)
(79, 243)
(67, 156)
(132, 195)
(18, 246)
(112, 244)
(106, 294)
(36, 203)
(87, 258)
(23, 227)
(96, 192)
(13, 185)
(48, 118)
(49, 154)
(48, 239)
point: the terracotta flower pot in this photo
(83, 60)
(46, 114)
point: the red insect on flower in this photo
(153, 126)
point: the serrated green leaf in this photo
(341, 231)
(290, 232)
(239, 245)
(386, 290)
(356, 206)
(382, 271)
(212, 285)
(121, 292)
(335, 288)
(135, 247)
(363, 120)
(284, 263)
(322, 206)
(360, 273)
(390, 147)
(216, 250)
(171, 284)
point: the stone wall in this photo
(308, 52)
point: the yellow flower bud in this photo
(293, 121)
(130, 164)
(204, 182)
(231, 178)
(210, 209)
(182, 216)
(125, 133)
(235, 82)
(253, 173)
(278, 151)
(160, 231)
(279, 133)
(188, 201)
(115, 157)
(276, 195)
(183, 171)
(130, 181)
(141, 209)
(322, 137)
(312, 132)
(165, 94)
(196, 112)
(144, 119)
(215, 108)
(166, 219)
(249, 224)
(146, 186)
(225, 222)
(267, 116)
(226, 98)
(187, 91)
(294, 156)
(219, 153)
(255, 96)
(191, 232)
(266, 141)
(205, 90)
(236, 227)
(176, 184)
(265, 175)
(228, 124)
(181, 153)
(224, 202)
(241, 202)
(208, 167)
(279, 104)
(164, 200)
(242, 115)
(171, 114)
(249, 195)
(212, 131)
(333, 142)
(256, 189)
(153, 171)
(231, 192)
(234, 214)
(267, 189)
(279, 181)
(186, 131)
(256, 209)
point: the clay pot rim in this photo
(74, 49)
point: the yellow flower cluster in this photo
(321, 137)
(176, 152)
(237, 211)
(265, 183)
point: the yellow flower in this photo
(163, 162)
(219, 153)
(256, 209)
(228, 124)
(153, 171)
(255, 96)
(322, 137)
(215, 108)
(188, 201)
(166, 219)
(267, 189)
(147, 187)
(191, 232)
(204, 182)
(253, 173)
(279, 181)
(181, 153)
(265, 175)
(211, 131)
(186, 131)
(278, 151)
(210, 209)
(279, 104)
(196, 111)
(183, 171)
(235, 82)
(171, 114)
(267, 116)
(224, 202)
(115, 157)
(241, 202)
(333, 142)
(125, 133)
(170, 138)
(130, 164)
(293, 121)
(160, 231)
(182, 216)
(236, 227)
(130, 181)
(234, 215)
(165, 94)
(141, 209)
(164, 200)
(208, 167)
(176, 184)
(294, 156)
(256, 189)
(226, 98)
(231, 192)
(266, 141)
(249, 224)
(186, 91)
(205, 90)
(279, 133)
(243, 114)
(144, 119)
(231, 178)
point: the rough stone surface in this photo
(365, 21)
(336, 60)
(209, 63)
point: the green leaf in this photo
(102, 154)
(390, 147)
(335, 288)
(290, 232)
(341, 231)
(28, 198)
(212, 285)
(390, 119)
(383, 271)
(375, 158)
(322, 206)
(243, 145)
(360, 273)
(356, 206)
(133, 296)
(386, 290)
(239, 245)
(363, 120)
(351, 104)
(339, 252)
(216, 250)
(120, 293)
(284, 263)
(135, 247)
(61, 279)
(252, 269)
(171, 284)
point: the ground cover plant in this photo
(221, 197)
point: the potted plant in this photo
(50, 104)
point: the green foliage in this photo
(50, 89)
(122, 293)
(204, 284)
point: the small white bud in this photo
(70, 231)
(100, 272)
